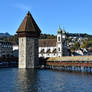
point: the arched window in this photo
(58, 49)
(58, 38)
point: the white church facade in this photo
(54, 47)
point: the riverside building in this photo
(6, 49)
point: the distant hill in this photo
(79, 35)
(4, 35)
(14, 38)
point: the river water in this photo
(30, 80)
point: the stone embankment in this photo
(6, 62)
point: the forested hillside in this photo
(77, 45)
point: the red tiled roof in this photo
(47, 43)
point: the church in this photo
(54, 47)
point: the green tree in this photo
(84, 45)
(76, 46)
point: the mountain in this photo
(5, 35)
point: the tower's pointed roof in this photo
(59, 30)
(28, 25)
(63, 30)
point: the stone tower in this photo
(28, 33)
(59, 42)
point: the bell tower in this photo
(28, 33)
(59, 42)
(64, 42)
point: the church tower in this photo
(28, 33)
(59, 42)
(64, 42)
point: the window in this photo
(58, 49)
(22, 39)
(58, 38)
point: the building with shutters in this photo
(6, 49)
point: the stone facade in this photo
(28, 51)
(22, 52)
(32, 52)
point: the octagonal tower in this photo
(28, 33)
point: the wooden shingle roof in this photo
(28, 25)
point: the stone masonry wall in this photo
(22, 52)
(32, 52)
(28, 52)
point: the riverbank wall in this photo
(70, 63)
(8, 62)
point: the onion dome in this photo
(63, 31)
(59, 30)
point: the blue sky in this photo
(74, 15)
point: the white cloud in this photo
(22, 6)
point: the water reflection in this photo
(30, 80)
(27, 81)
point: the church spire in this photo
(59, 30)
(63, 30)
